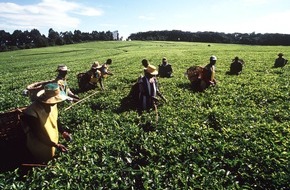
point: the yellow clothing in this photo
(95, 77)
(41, 139)
(94, 80)
(212, 75)
(63, 86)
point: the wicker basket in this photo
(79, 76)
(83, 80)
(10, 125)
(194, 72)
(34, 88)
(198, 79)
(12, 140)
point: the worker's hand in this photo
(74, 100)
(67, 136)
(61, 148)
(213, 83)
(155, 99)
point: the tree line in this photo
(214, 37)
(34, 39)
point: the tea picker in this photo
(148, 92)
(30, 134)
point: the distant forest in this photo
(33, 39)
(214, 37)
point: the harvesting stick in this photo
(156, 112)
(80, 101)
(34, 165)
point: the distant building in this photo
(116, 35)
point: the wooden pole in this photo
(80, 101)
(34, 165)
(156, 116)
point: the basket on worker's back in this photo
(34, 88)
(83, 80)
(79, 77)
(197, 77)
(193, 73)
(12, 139)
(10, 125)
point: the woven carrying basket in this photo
(10, 125)
(34, 88)
(193, 73)
(79, 76)
(12, 140)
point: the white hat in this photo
(212, 58)
(96, 65)
(62, 68)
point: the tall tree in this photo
(41, 41)
(67, 37)
(34, 33)
(15, 37)
(52, 36)
(4, 40)
(77, 36)
(4, 37)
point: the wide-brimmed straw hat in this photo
(51, 94)
(62, 68)
(96, 65)
(151, 69)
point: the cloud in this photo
(87, 11)
(57, 14)
(257, 2)
(272, 23)
(146, 18)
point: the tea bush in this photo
(232, 136)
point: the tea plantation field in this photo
(232, 136)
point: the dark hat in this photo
(109, 61)
(280, 54)
(145, 62)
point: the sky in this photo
(132, 16)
